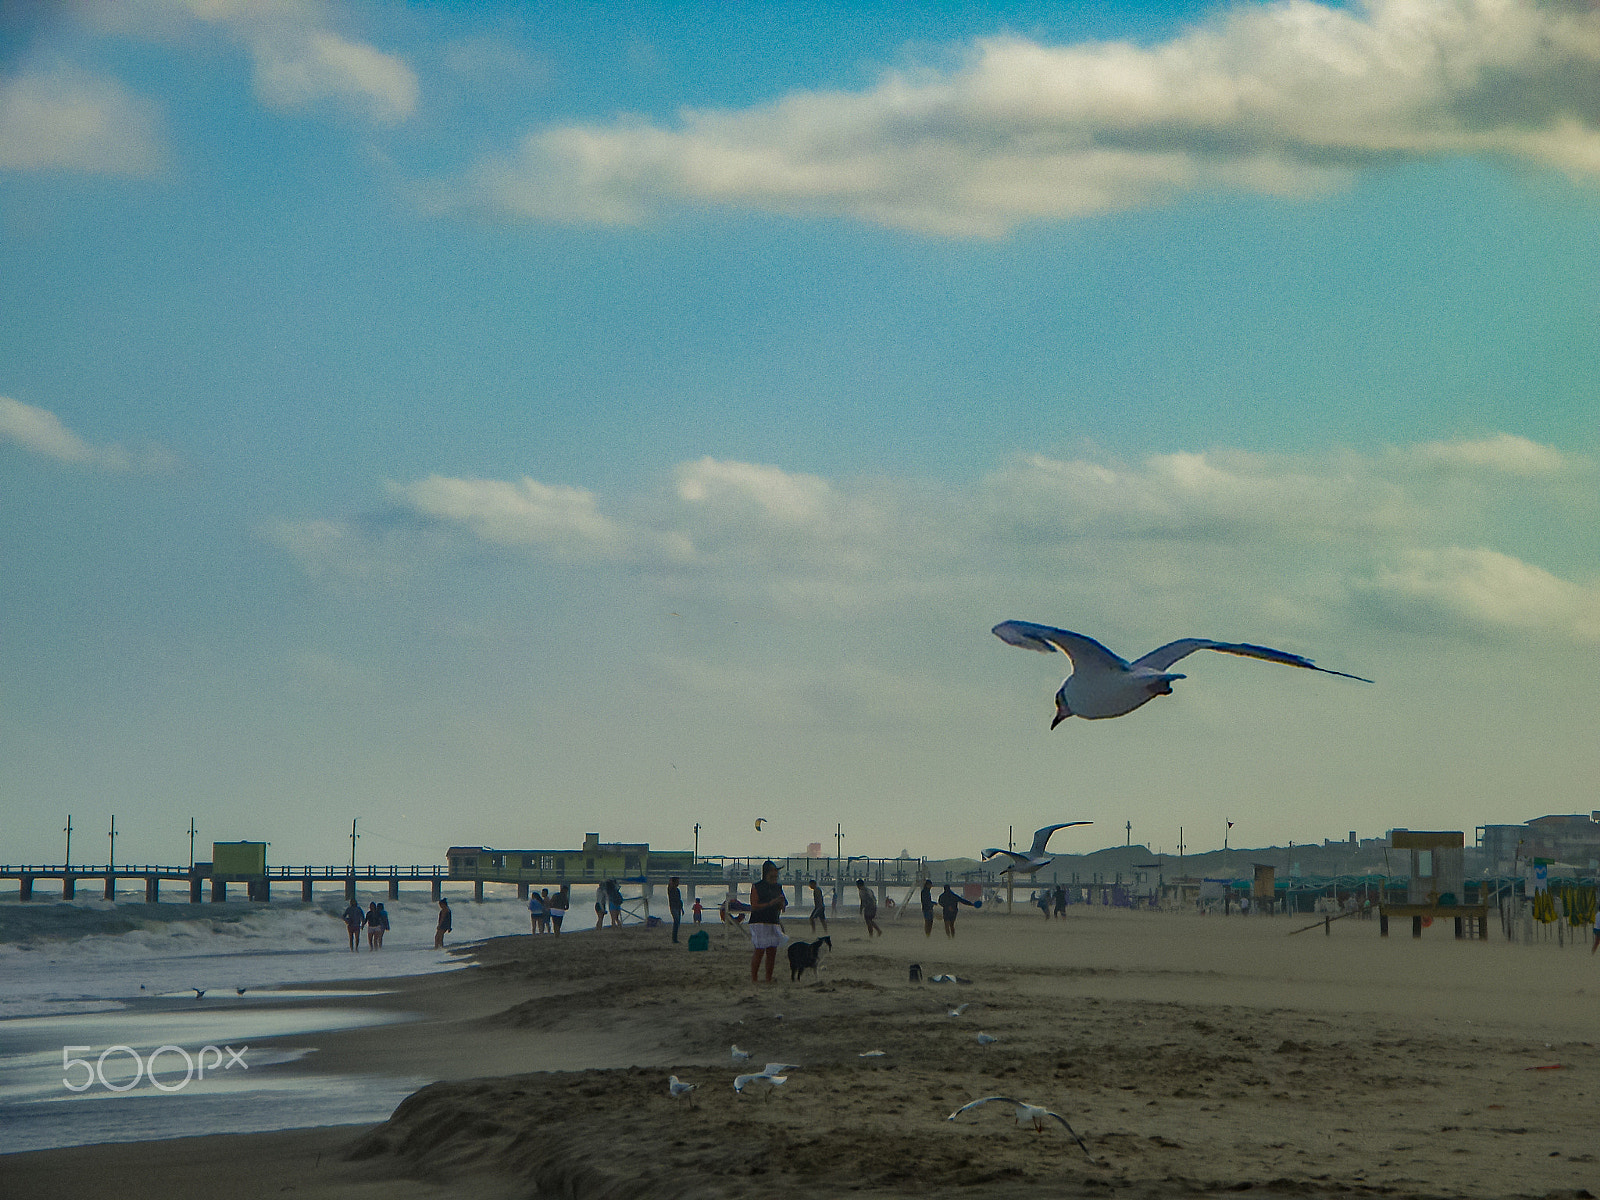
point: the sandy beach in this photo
(1194, 1055)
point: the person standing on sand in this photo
(819, 908)
(927, 908)
(614, 902)
(374, 925)
(674, 905)
(1061, 900)
(951, 903)
(869, 908)
(444, 926)
(383, 924)
(559, 903)
(697, 910)
(767, 903)
(535, 911)
(354, 919)
(600, 904)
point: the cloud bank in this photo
(41, 432)
(1295, 540)
(1288, 99)
(65, 119)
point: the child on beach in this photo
(697, 910)
(444, 925)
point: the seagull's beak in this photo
(1062, 710)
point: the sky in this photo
(493, 423)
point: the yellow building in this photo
(593, 861)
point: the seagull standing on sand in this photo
(679, 1090)
(1027, 1114)
(1103, 685)
(1035, 857)
(740, 1055)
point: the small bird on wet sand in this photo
(1103, 684)
(679, 1090)
(1027, 1114)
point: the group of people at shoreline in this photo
(374, 919)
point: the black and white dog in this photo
(804, 954)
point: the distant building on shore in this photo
(594, 860)
(1572, 838)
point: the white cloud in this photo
(69, 120)
(1273, 541)
(1503, 453)
(40, 431)
(299, 62)
(1474, 590)
(564, 520)
(1286, 99)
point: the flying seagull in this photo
(766, 1078)
(760, 821)
(1103, 685)
(1027, 1114)
(1035, 857)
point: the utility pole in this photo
(68, 832)
(353, 836)
(191, 845)
(1129, 840)
(1227, 825)
(1011, 878)
(697, 842)
(838, 841)
(113, 842)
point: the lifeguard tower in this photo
(1438, 883)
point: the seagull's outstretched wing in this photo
(1082, 1144)
(1085, 652)
(1163, 657)
(1041, 837)
(980, 1103)
(1016, 859)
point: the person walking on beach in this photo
(951, 903)
(1042, 899)
(767, 903)
(614, 902)
(869, 908)
(600, 904)
(536, 911)
(674, 905)
(383, 924)
(1061, 900)
(819, 908)
(559, 903)
(444, 924)
(927, 908)
(374, 925)
(697, 910)
(354, 919)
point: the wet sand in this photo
(1195, 1055)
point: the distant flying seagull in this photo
(760, 821)
(1103, 685)
(1035, 858)
(1027, 1114)
(199, 993)
(959, 1009)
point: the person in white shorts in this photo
(767, 903)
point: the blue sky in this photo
(500, 425)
